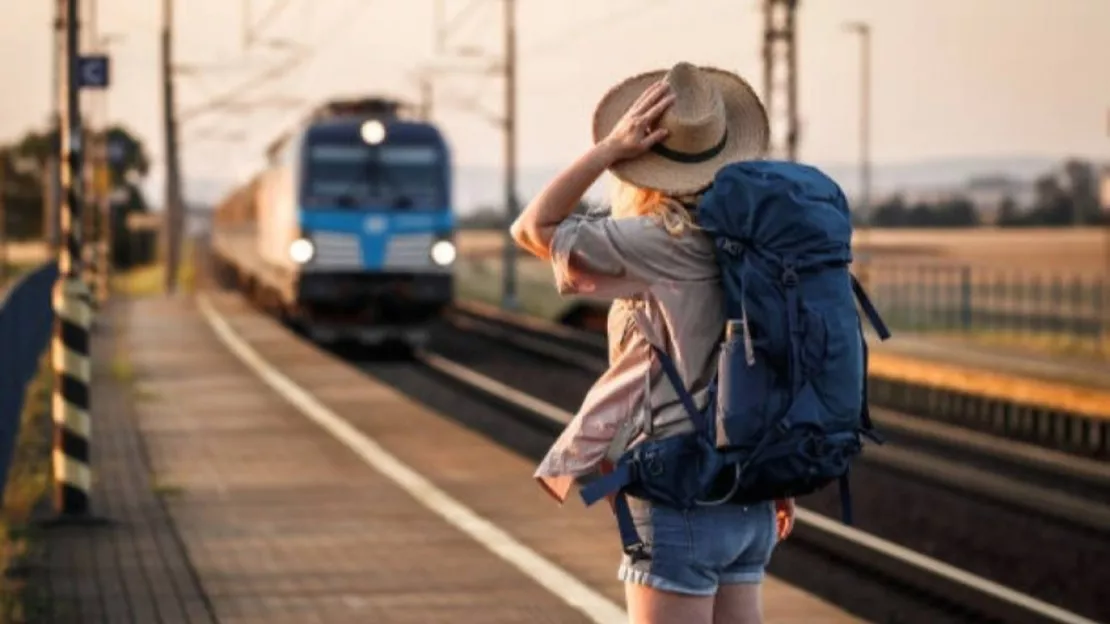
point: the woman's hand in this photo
(784, 517)
(635, 133)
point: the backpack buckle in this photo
(637, 552)
(730, 246)
(789, 277)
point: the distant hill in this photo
(478, 186)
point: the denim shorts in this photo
(696, 551)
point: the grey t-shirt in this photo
(674, 283)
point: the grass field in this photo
(27, 486)
(149, 280)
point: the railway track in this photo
(1070, 482)
(913, 514)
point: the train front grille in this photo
(409, 251)
(336, 251)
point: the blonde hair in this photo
(629, 200)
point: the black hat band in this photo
(691, 158)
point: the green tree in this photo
(1082, 183)
(955, 212)
(1009, 214)
(1052, 205)
(22, 196)
(891, 213)
(26, 167)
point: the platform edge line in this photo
(547, 574)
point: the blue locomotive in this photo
(348, 233)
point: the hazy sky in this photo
(951, 77)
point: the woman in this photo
(663, 135)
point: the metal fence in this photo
(1019, 306)
(26, 319)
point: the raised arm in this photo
(632, 136)
(535, 226)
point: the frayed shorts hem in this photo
(628, 574)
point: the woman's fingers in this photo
(659, 108)
(784, 517)
(656, 136)
(647, 93)
(649, 97)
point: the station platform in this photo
(1081, 372)
(248, 476)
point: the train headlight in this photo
(443, 252)
(301, 250)
(372, 132)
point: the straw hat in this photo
(716, 119)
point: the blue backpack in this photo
(788, 404)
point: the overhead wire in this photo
(275, 10)
(591, 26)
(576, 31)
(328, 36)
(280, 69)
(460, 17)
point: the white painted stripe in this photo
(77, 365)
(71, 417)
(550, 576)
(70, 302)
(497, 388)
(952, 573)
(72, 472)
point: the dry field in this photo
(1078, 251)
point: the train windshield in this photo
(379, 176)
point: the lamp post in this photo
(864, 31)
(1104, 283)
(507, 120)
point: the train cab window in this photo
(409, 176)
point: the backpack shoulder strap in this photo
(639, 315)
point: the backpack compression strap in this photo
(623, 474)
(865, 408)
(869, 309)
(884, 333)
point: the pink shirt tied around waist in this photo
(675, 280)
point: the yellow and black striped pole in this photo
(72, 312)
